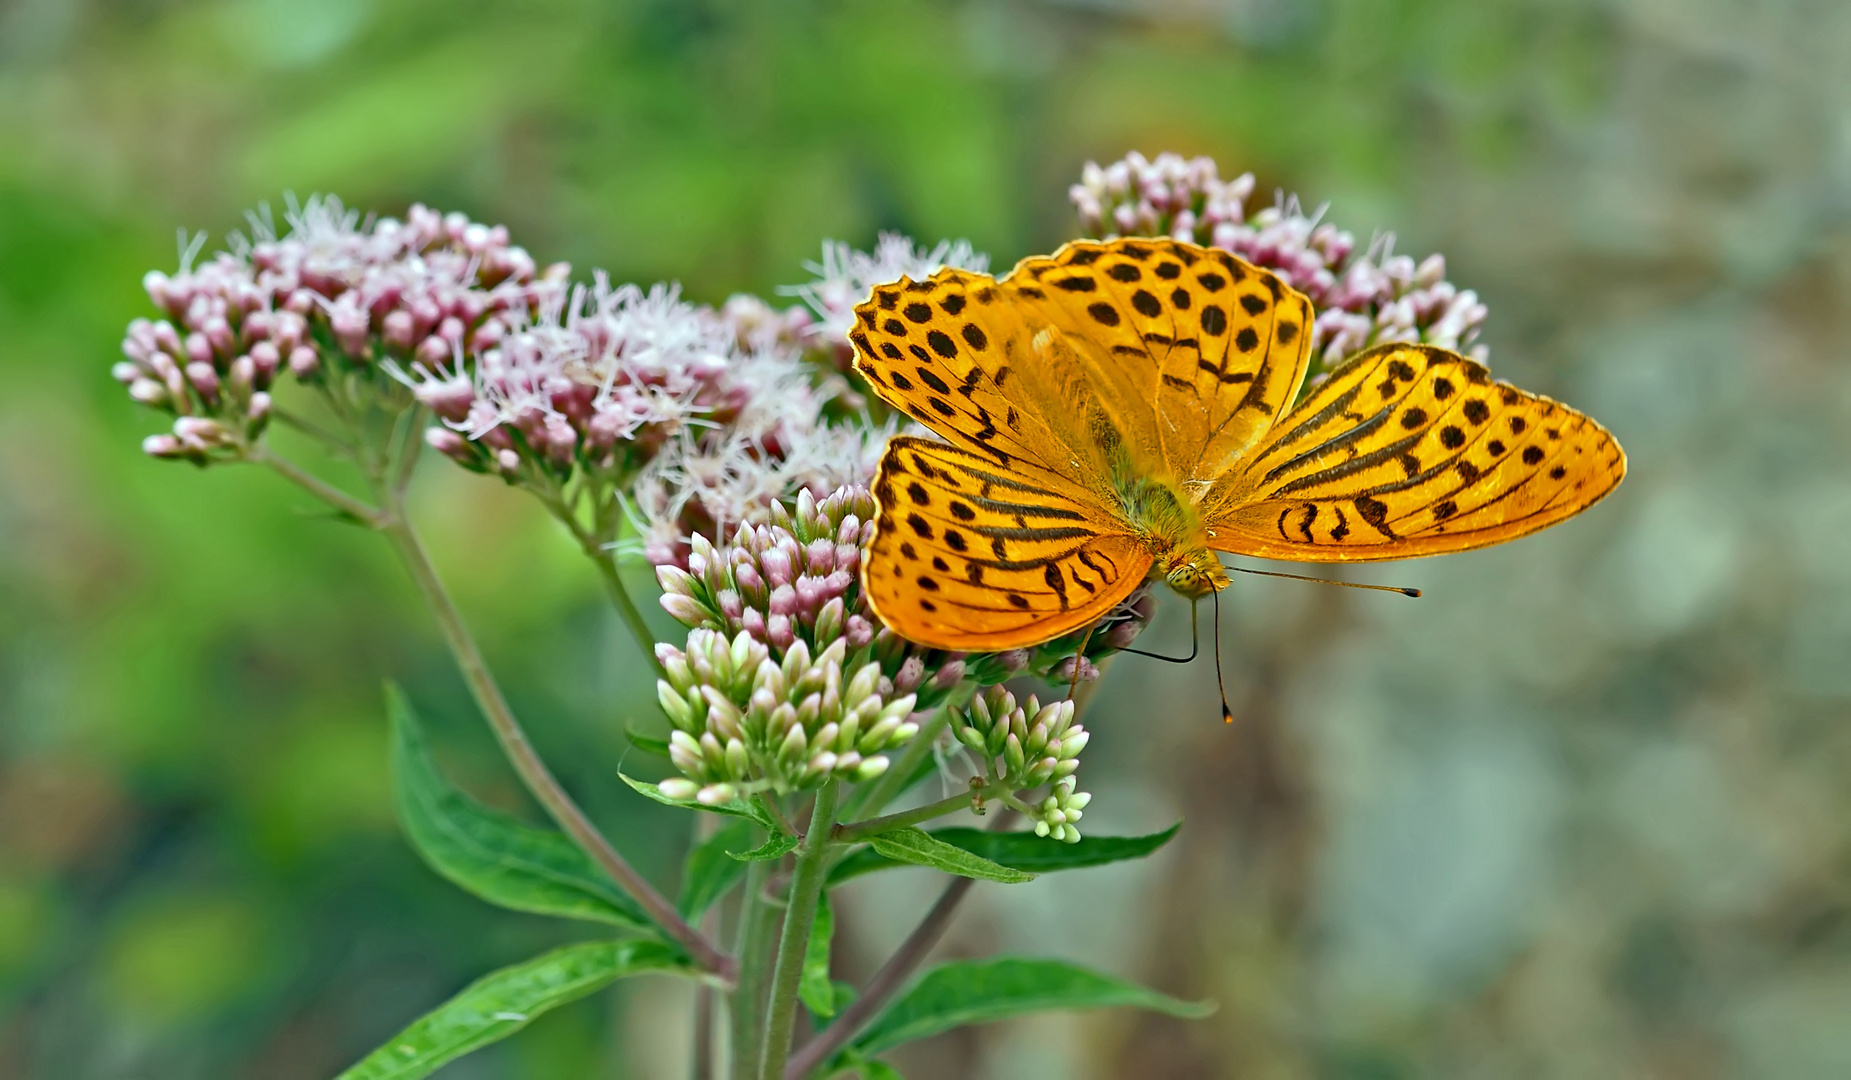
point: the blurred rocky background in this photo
(1581, 811)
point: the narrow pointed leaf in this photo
(647, 743)
(712, 870)
(777, 847)
(817, 992)
(489, 853)
(920, 849)
(498, 1005)
(737, 808)
(1019, 851)
(978, 992)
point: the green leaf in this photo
(712, 870)
(978, 992)
(1018, 851)
(744, 808)
(816, 991)
(498, 1005)
(775, 848)
(913, 846)
(647, 743)
(489, 853)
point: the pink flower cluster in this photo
(333, 290)
(1362, 297)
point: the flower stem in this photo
(526, 761)
(593, 545)
(364, 513)
(872, 797)
(799, 921)
(890, 978)
(758, 919)
(862, 830)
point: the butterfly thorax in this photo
(1165, 520)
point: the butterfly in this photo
(1120, 411)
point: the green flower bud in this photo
(672, 704)
(676, 787)
(871, 768)
(793, 748)
(717, 794)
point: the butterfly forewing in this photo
(953, 353)
(968, 555)
(1410, 450)
(1194, 352)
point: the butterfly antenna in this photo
(1227, 714)
(1328, 581)
(1194, 641)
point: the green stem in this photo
(861, 830)
(873, 797)
(593, 544)
(758, 919)
(365, 513)
(794, 943)
(526, 760)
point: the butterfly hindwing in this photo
(969, 554)
(1410, 450)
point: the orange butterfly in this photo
(1114, 412)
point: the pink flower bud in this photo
(448, 443)
(259, 411)
(148, 392)
(433, 350)
(167, 338)
(397, 330)
(218, 334)
(778, 632)
(783, 601)
(242, 375)
(820, 557)
(304, 361)
(155, 283)
(509, 461)
(162, 446)
(204, 379)
(777, 564)
(198, 349)
(265, 361)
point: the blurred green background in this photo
(1581, 812)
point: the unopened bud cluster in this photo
(745, 722)
(332, 294)
(1028, 746)
(1362, 298)
(796, 580)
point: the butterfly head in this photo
(1193, 572)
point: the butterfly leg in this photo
(1079, 657)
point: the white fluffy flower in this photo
(846, 277)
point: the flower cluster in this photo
(1024, 747)
(333, 292)
(1362, 297)
(779, 582)
(701, 418)
(745, 723)
(846, 277)
(796, 580)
